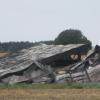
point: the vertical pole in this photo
(87, 75)
(71, 76)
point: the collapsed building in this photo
(51, 63)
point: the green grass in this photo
(52, 86)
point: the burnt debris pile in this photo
(52, 64)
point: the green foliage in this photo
(53, 86)
(14, 46)
(71, 36)
(66, 37)
(50, 42)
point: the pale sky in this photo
(35, 20)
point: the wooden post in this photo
(87, 75)
(71, 76)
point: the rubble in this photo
(51, 63)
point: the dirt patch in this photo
(3, 54)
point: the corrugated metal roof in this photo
(25, 58)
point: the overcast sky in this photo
(35, 20)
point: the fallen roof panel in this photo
(23, 59)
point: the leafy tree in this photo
(71, 36)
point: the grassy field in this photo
(52, 86)
(50, 92)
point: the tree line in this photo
(14, 46)
(69, 36)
